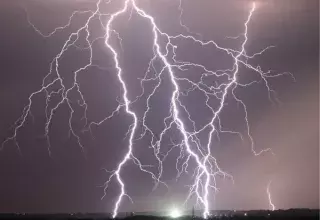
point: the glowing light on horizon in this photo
(175, 213)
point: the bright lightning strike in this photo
(272, 206)
(207, 170)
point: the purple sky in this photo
(68, 181)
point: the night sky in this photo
(69, 179)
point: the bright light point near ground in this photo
(175, 213)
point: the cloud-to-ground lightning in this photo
(271, 205)
(165, 51)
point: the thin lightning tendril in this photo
(271, 205)
(207, 170)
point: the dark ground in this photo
(225, 215)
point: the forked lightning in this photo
(165, 47)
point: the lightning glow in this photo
(165, 50)
(175, 213)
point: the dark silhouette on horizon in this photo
(308, 214)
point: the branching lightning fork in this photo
(207, 170)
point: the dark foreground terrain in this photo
(223, 215)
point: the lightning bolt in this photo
(271, 205)
(223, 84)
